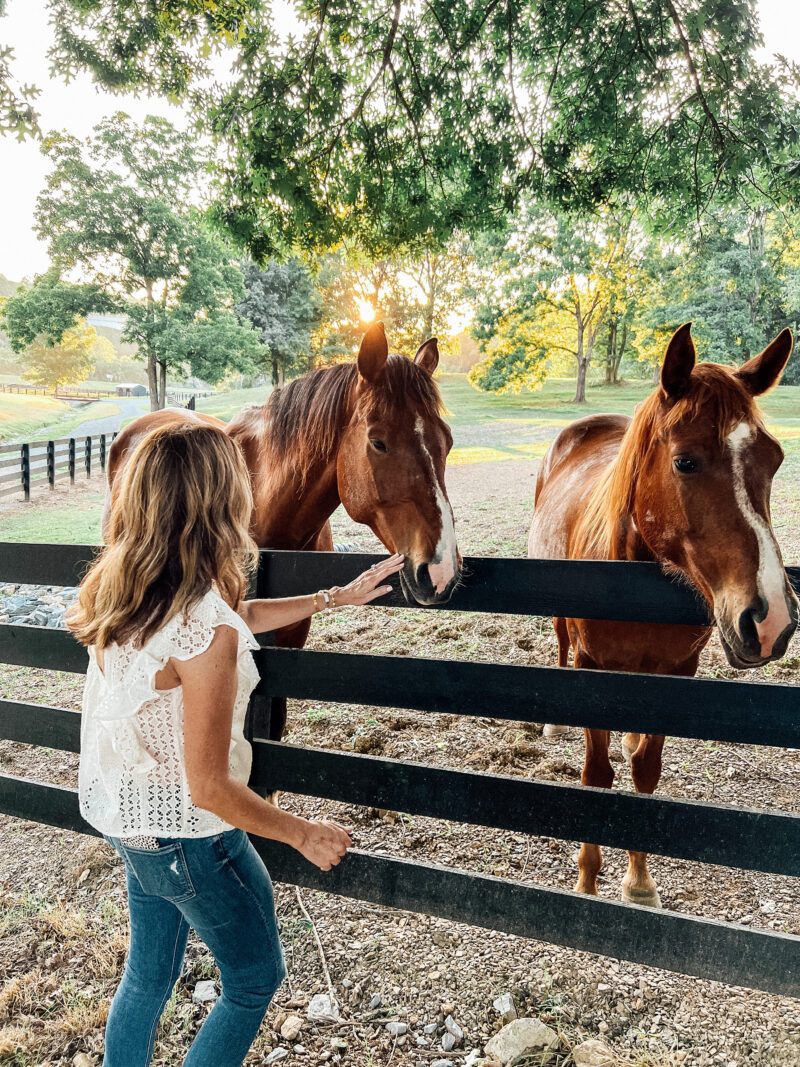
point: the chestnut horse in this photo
(685, 482)
(368, 435)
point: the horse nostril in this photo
(747, 629)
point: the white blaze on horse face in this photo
(770, 578)
(442, 568)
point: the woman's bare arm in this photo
(263, 615)
(209, 689)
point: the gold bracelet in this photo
(316, 607)
(333, 599)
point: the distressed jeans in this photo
(219, 886)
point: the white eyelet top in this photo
(132, 779)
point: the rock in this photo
(519, 1036)
(347, 983)
(204, 993)
(82, 1059)
(442, 1063)
(448, 1043)
(397, 1029)
(431, 1028)
(376, 1002)
(338, 1044)
(323, 1009)
(593, 1053)
(505, 1007)
(299, 1049)
(453, 1028)
(291, 1027)
(279, 1053)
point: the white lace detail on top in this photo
(132, 777)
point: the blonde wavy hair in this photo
(178, 525)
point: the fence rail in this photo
(32, 463)
(737, 837)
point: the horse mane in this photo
(714, 394)
(301, 422)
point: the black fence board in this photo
(39, 724)
(574, 588)
(703, 948)
(735, 837)
(760, 713)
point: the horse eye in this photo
(379, 446)
(684, 464)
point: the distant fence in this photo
(736, 837)
(39, 462)
(178, 396)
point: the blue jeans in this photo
(219, 886)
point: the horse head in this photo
(390, 465)
(702, 497)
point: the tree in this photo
(561, 278)
(67, 362)
(283, 304)
(397, 124)
(17, 112)
(116, 210)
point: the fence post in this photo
(102, 451)
(51, 464)
(25, 469)
(87, 453)
(72, 460)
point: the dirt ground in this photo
(62, 918)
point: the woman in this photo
(164, 762)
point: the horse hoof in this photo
(647, 898)
(554, 731)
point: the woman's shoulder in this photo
(190, 632)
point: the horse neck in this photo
(291, 510)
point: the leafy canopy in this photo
(398, 123)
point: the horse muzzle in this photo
(429, 583)
(752, 641)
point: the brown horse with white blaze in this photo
(685, 482)
(368, 435)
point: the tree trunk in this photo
(580, 385)
(152, 382)
(162, 400)
(275, 374)
(611, 353)
(281, 375)
(656, 373)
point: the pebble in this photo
(431, 1028)
(453, 1028)
(291, 1027)
(442, 1063)
(323, 1009)
(81, 1059)
(448, 1043)
(204, 992)
(505, 1007)
(376, 1002)
(519, 1037)
(397, 1029)
(593, 1053)
(279, 1053)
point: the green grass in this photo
(226, 405)
(77, 523)
(27, 416)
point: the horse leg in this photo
(562, 636)
(597, 770)
(630, 742)
(638, 886)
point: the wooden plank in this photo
(577, 588)
(39, 724)
(11, 475)
(735, 837)
(758, 713)
(40, 646)
(44, 564)
(753, 713)
(704, 948)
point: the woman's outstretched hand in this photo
(371, 584)
(324, 843)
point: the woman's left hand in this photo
(369, 585)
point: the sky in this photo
(79, 106)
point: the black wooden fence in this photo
(37, 462)
(753, 713)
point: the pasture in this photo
(62, 916)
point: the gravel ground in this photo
(62, 909)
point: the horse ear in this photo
(763, 371)
(427, 355)
(373, 353)
(678, 362)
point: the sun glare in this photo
(366, 311)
